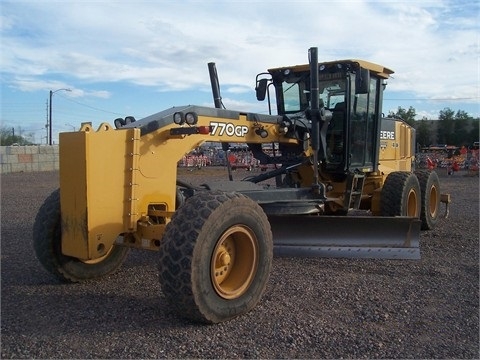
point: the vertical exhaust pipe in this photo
(217, 99)
(320, 119)
(314, 115)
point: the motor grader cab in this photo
(349, 97)
(363, 159)
(334, 195)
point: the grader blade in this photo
(366, 237)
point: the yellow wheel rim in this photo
(412, 202)
(433, 201)
(234, 262)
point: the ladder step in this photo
(354, 190)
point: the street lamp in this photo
(50, 114)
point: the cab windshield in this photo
(296, 95)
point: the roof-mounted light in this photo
(129, 120)
(179, 118)
(191, 118)
(118, 122)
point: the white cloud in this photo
(246, 106)
(29, 84)
(238, 89)
(433, 47)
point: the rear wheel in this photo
(216, 256)
(430, 188)
(401, 195)
(47, 242)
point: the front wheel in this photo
(401, 195)
(47, 242)
(216, 256)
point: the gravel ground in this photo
(312, 308)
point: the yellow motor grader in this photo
(344, 186)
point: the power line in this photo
(426, 99)
(91, 107)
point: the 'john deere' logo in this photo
(387, 135)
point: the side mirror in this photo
(362, 81)
(261, 89)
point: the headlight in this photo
(191, 118)
(129, 120)
(178, 118)
(261, 132)
(119, 122)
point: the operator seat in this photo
(335, 134)
(338, 112)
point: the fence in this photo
(465, 160)
(46, 158)
(28, 158)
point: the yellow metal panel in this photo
(376, 198)
(73, 194)
(405, 141)
(96, 191)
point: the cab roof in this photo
(379, 70)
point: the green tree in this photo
(462, 123)
(453, 128)
(407, 115)
(474, 134)
(425, 136)
(446, 126)
(9, 137)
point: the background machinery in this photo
(345, 187)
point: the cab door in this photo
(363, 129)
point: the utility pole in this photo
(50, 115)
(46, 125)
(50, 120)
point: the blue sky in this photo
(136, 58)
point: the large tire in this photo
(430, 188)
(47, 242)
(216, 257)
(401, 195)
